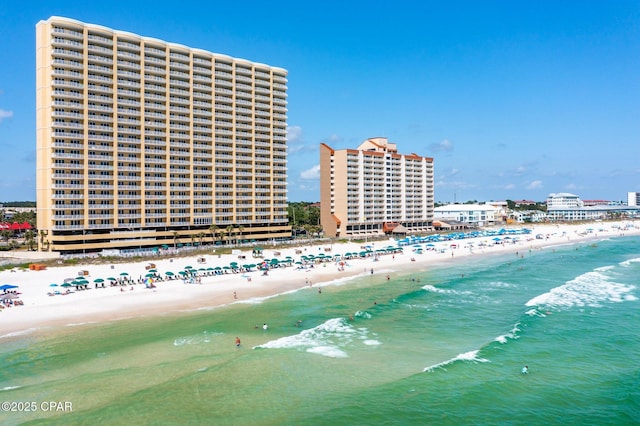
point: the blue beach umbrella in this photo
(7, 286)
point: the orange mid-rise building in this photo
(373, 190)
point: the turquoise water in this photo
(442, 346)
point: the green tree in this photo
(214, 232)
(176, 235)
(43, 234)
(29, 237)
(229, 231)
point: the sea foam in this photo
(471, 356)
(589, 289)
(328, 339)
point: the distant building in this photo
(502, 209)
(522, 216)
(563, 200)
(524, 203)
(476, 215)
(373, 189)
(568, 207)
(588, 203)
(633, 199)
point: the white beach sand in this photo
(41, 311)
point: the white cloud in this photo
(295, 139)
(5, 114)
(536, 184)
(312, 173)
(448, 173)
(334, 139)
(444, 146)
(294, 134)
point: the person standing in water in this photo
(525, 369)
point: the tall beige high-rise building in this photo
(373, 190)
(143, 143)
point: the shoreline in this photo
(42, 313)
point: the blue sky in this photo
(513, 100)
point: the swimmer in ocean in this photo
(525, 369)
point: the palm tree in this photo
(240, 229)
(229, 230)
(176, 234)
(43, 234)
(214, 233)
(200, 237)
(29, 237)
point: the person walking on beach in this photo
(237, 342)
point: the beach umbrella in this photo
(66, 285)
(150, 275)
(217, 268)
(98, 280)
(153, 270)
(53, 285)
(210, 268)
(123, 274)
(7, 286)
(183, 273)
(169, 273)
(188, 267)
(111, 279)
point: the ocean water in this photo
(443, 346)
